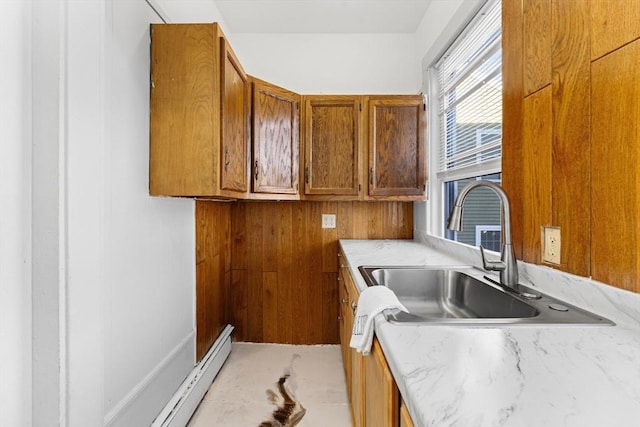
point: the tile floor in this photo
(238, 396)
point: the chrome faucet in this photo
(507, 266)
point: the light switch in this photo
(328, 220)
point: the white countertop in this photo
(508, 375)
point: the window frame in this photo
(435, 188)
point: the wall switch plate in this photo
(551, 245)
(328, 220)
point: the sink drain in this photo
(558, 307)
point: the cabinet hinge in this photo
(306, 174)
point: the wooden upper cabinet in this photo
(332, 126)
(397, 147)
(236, 133)
(199, 130)
(201, 126)
(276, 142)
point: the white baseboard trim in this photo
(139, 406)
(184, 402)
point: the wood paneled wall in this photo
(213, 271)
(572, 132)
(284, 265)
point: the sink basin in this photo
(452, 296)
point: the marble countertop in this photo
(511, 375)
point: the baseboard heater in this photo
(184, 402)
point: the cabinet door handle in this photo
(354, 307)
(371, 176)
(256, 170)
(344, 301)
(226, 158)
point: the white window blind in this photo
(470, 97)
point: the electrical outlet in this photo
(328, 220)
(551, 245)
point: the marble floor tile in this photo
(238, 396)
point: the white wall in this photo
(112, 275)
(149, 259)
(131, 260)
(352, 63)
(333, 63)
(190, 11)
(15, 213)
(441, 23)
(149, 242)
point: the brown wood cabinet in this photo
(199, 129)
(353, 361)
(397, 147)
(405, 417)
(342, 132)
(236, 133)
(332, 135)
(345, 328)
(373, 393)
(204, 109)
(346, 323)
(382, 404)
(276, 141)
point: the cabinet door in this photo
(332, 145)
(356, 360)
(358, 389)
(235, 122)
(405, 417)
(381, 392)
(345, 328)
(276, 113)
(184, 110)
(397, 146)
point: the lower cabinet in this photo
(405, 418)
(381, 393)
(357, 397)
(373, 393)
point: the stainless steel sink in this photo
(451, 296)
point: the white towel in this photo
(372, 301)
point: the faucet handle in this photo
(491, 265)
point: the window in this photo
(488, 236)
(465, 91)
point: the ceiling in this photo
(323, 16)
